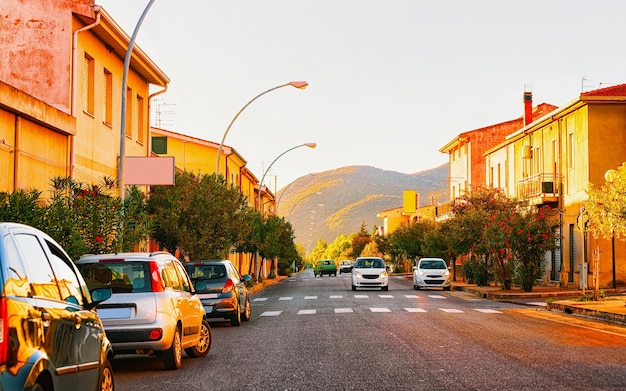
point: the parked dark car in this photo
(50, 335)
(225, 295)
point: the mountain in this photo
(327, 204)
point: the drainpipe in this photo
(96, 9)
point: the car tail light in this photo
(155, 334)
(229, 285)
(4, 332)
(155, 277)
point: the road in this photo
(310, 333)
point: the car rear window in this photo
(121, 277)
(206, 272)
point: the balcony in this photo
(539, 189)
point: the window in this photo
(66, 278)
(159, 145)
(41, 276)
(88, 84)
(107, 95)
(140, 119)
(129, 113)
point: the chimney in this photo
(528, 107)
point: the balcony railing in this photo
(539, 188)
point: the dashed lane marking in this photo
(271, 313)
(343, 310)
(310, 297)
(436, 297)
(487, 311)
(260, 299)
(361, 296)
(451, 310)
(379, 309)
(307, 312)
(415, 310)
(286, 298)
(336, 297)
(386, 296)
(412, 296)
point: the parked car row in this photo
(62, 322)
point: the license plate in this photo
(114, 313)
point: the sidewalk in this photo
(612, 309)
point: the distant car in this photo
(50, 335)
(326, 266)
(345, 266)
(225, 294)
(370, 272)
(154, 308)
(432, 273)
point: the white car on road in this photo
(370, 272)
(432, 273)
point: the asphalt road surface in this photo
(310, 333)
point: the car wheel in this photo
(204, 344)
(235, 320)
(37, 387)
(353, 287)
(446, 288)
(247, 312)
(106, 380)
(385, 288)
(173, 357)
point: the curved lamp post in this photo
(259, 205)
(301, 85)
(129, 51)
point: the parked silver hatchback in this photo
(50, 335)
(154, 308)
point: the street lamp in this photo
(129, 51)
(301, 85)
(256, 259)
(297, 202)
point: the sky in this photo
(390, 82)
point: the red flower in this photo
(98, 239)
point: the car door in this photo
(190, 306)
(71, 336)
(239, 284)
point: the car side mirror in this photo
(246, 278)
(98, 295)
(200, 285)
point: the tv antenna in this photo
(162, 113)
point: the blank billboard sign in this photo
(142, 170)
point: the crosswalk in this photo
(363, 297)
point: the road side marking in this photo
(292, 279)
(487, 311)
(415, 310)
(539, 303)
(451, 310)
(307, 312)
(310, 297)
(361, 296)
(343, 310)
(386, 296)
(286, 298)
(271, 313)
(260, 299)
(336, 297)
(436, 297)
(380, 309)
(412, 296)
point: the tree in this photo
(359, 241)
(606, 206)
(200, 216)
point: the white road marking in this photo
(343, 310)
(487, 311)
(412, 296)
(260, 299)
(286, 298)
(336, 297)
(436, 297)
(415, 310)
(379, 309)
(539, 303)
(386, 296)
(310, 297)
(271, 313)
(307, 312)
(361, 296)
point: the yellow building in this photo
(60, 106)
(551, 161)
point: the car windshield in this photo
(370, 263)
(120, 277)
(432, 264)
(206, 272)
